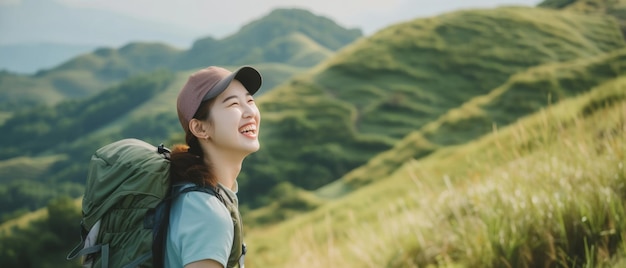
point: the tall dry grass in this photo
(548, 191)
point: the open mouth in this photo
(248, 130)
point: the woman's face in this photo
(235, 120)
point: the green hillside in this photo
(83, 75)
(296, 49)
(40, 158)
(295, 38)
(278, 37)
(524, 93)
(546, 191)
(111, 64)
(381, 88)
(610, 7)
(35, 131)
(613, 8)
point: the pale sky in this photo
(199, 18)
(369, 15)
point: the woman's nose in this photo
(249, 110)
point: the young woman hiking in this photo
(221, 123)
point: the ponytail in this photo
(187, 163)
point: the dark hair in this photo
(188, 161)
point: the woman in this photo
(221, 124)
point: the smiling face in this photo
(234, 121)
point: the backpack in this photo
(125, 209)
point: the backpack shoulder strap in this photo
(162, 219)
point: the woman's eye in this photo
(233, 104)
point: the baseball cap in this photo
(209, 82)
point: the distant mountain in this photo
(29, 58)
(272, 39)
(82, 76)
(292, 37)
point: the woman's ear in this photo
(199, 129)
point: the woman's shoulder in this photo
(202, 203)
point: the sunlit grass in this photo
(30, 168)
(26, 220)
(547, 191)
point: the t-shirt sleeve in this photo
(205, 229)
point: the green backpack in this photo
(125, 209)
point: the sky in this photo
(182, 21)
(366, 14)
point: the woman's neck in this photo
(226, 170)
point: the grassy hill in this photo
(613, 8)
(378, 90)
(610, 7)
(289, 39)
(524, 93)
(544, 191)
(278, 37)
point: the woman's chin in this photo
(253, 147)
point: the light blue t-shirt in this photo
(200, 228)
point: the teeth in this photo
(248, 128)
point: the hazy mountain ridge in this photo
(255, 42)
(29, 58)
(291, 37)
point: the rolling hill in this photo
(281, 36)
(286, 40)
(546, 190)
(613, 8)
(524, 93)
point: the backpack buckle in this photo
(164, 151)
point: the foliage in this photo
(150, 127)
(556, 3)
(20, 197)
(612, 8)
(39, 129)
(285, 201)
(64, 129)
(591, 6)
(46, 241)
